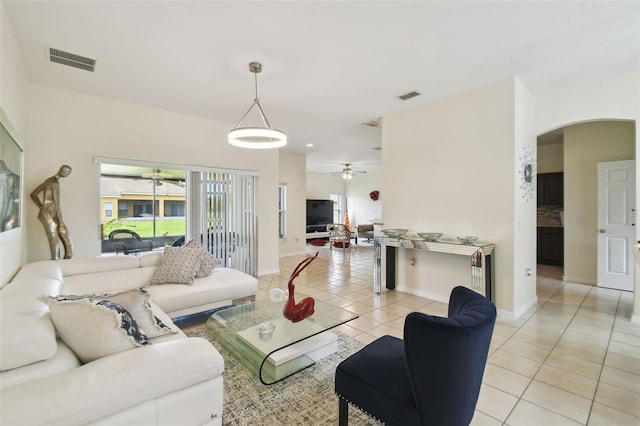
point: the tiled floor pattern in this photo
(572, 359)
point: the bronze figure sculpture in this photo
(47, 198)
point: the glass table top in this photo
(288, 348)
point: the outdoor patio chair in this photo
(127, 241)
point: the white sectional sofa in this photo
(175, 380)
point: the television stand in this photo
(317, 235)
(316, 228)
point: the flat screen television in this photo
(319, 212)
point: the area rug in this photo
(306, 398)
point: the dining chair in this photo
(339, 236)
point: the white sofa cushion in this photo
(63, 360)
(81, 266)
(95, 328)
(29, 289)
(100, 282)
(150, 259)
(27, 332)
(42, 269)
(93, 391)
(223, 285)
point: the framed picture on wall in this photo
(10, 179)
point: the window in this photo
(142, 208)
(171, 203)
(149, 201)
(123, 209)
(282, 210)
(173, 208)
(337, 207)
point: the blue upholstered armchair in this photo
(432, 377)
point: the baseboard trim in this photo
(268, 272)
(297, 253)
(516, 314)
(578, 280)
(427, 294)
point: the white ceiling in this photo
(328, 66)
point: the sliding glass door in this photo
(226, 211)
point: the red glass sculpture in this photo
(304, 309)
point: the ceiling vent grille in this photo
(408, 96)
(72, 60)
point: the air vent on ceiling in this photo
(409, 95)
(372, 123)
(72, 60)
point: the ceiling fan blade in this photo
(347, 170)
(156, 175)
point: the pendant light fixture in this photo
(257, 137)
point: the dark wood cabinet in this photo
(551, 246)
(551, 189)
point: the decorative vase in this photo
(293, 311)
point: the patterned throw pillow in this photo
(207, 260)
(136, 302)
(178, 265)
(95, 328)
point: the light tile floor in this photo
(572, 359)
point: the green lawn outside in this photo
(144, 228)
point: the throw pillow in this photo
(136, 302)
(178, 265)
(95, 328)
(207, 260)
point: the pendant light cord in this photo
(255, 77)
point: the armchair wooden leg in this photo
(343, 412)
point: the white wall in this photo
(362, 209)
(321, 185)
(292, 173)
(585, 145)
(615, 98)
(450, 166)
(13, 113)
(525, 203)
(551, 158)
(72, 128)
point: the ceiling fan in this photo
(348, 172)
(157, 176)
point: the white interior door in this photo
(616, 224)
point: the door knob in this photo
(602, 231)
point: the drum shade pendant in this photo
(256, 137)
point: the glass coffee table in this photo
(281, 348)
